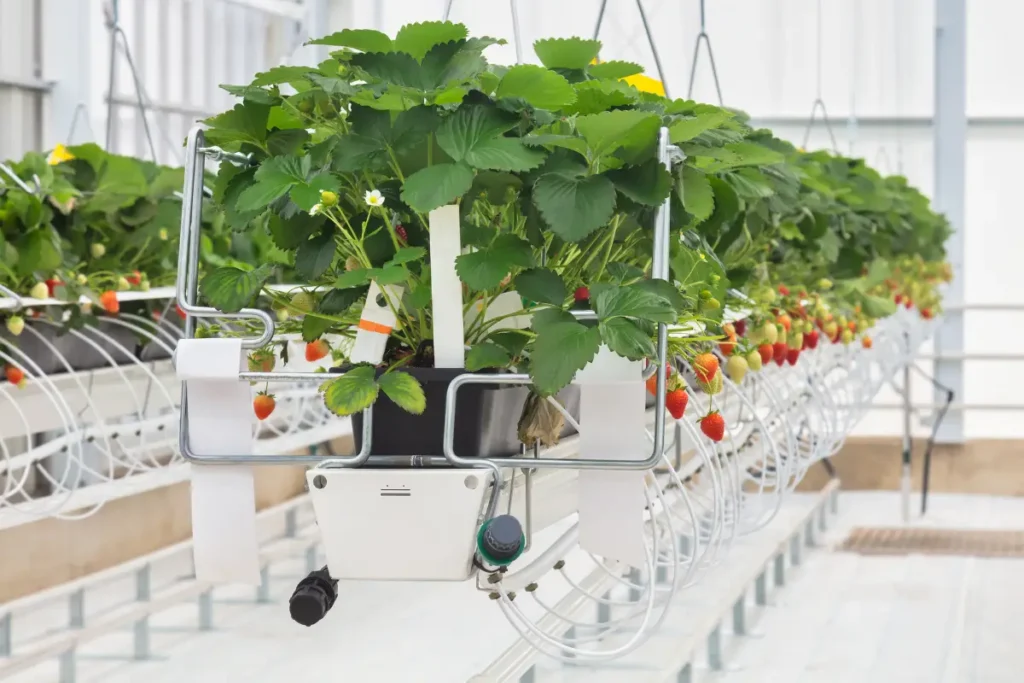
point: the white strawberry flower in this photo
(317, 208)
(374, 198)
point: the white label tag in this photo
(376, 322)
(446, 288)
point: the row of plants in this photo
(555, 172)
(94, 223)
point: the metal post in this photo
(634, 578)
(570, 636)
(823, 517)
(263, 591)
(206, 610)
(5, 635)
(67, 666)
(908, 443)
(291, 523)
(780, 569)
(140, 636)
(685, 674)
(761, 589)
(795, 544)
(739, 616)
(530, 676)
(76, 609)
(604, 610)
(950, 152)
(715, 649)
(834, 500)
(811, 540)
(311, 563)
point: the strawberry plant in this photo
(555, 173)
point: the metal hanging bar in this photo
(647, 31)
(516, 29)
(703, 36)
(819, 103)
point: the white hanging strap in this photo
(703, 36)
(819, 103)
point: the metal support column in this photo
(950, 172)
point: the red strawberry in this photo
(907, 303)
(786, 322)
(728, 346)
(652, 381)
(403, 236)
(675, 402)
(898, 299)
(926, 313)
(705, 366)
(581, 294)
(316, 350)
(134, 278)
(713, 425)
(741, 327)
(866, 342)
(812, 339)
(261, 360)
(792, 355)
(263, 405)
(15, 375)
(767, 351)
(783, 290)
(52, 284)
(779, 352)
(108, 300)
(181, 313)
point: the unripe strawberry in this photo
(97, 250)
(282, 315)
(712, 387)
(81, 279)
(754, 360)
(770, 333)
(782, 336)
(162, 234)
(737, 368)
(796, 341)
(303, 301)
(352, 263)
(846, 337)
(824, 284)
(328, 199)
(123, 284)
(39, 291)
(15, 325)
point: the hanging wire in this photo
(647, 31)
(516, 35)
(819, 103)
(703, 36)
(898, 69)
(113, 16)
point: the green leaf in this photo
(404, 391)
(315, 256)
(788, 230)
(417, 39)
(610, 130)
(540, 87)
(487, 355)
(485, 269)
(245, 122)
(632, 302)
(396, 68)
(38, 251)
(566, 53)
(364, 39)
(281, 74)
(665, 290)
(230, 289)
(307, 195)
(290, 233)
(437, 185)
(337, 301)
(649, 183)
(574, 207)
(695, 192)
(473, 134)
(614, 69)
(274, 178)
(313, 327)
(354, 391)
(625, 338)
(593, 97)
(541, 285)
(687, 129)
(332, 85)
(559, 351)
(546, 317)
(353, 278)
(389, 275)
(513, 341)
(406, 255)
(286, 142)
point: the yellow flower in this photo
(59, 154)
(646, 84)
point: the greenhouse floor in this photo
(841, 618)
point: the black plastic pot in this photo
(80, 354)
(486, 418)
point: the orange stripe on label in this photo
(371, 326)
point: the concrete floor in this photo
(842, 618)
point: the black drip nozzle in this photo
(313, 598)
